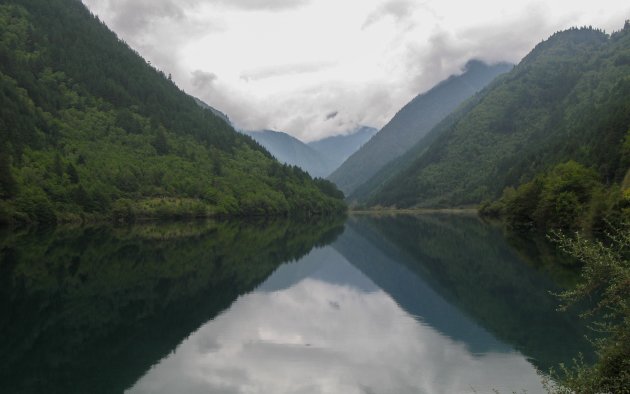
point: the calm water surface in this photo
(427, 304)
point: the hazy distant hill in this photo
(569, 99)
(338, 148)
(412, 123)
(89, 129)
(290, 150)
(318, 158)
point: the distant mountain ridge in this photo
(290, 150)
(318, 158)
(338, 148)
(413, 122)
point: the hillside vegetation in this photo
(412, 123)
(88, 129)
(567, 103)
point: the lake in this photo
(370, 304)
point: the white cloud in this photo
(286, 64)
(262, 4)
(202, 80)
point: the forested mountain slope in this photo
(214, 110)
(412, 123)
(569, 99)
(90, 129)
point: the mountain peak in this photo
(413, 122)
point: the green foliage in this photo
(328, 188)
(8, 184)
(90, 130)
(569, 99)
(34, 203)
(160, 143)
(606, 278)
(569, 197)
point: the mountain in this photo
(413, 122)
(338, 148)
(90, 130)
(318, 158)
(569, 99)
(215, 111)
(291, 151)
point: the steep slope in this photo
(290, 150)
(568, 99)
(215, 111)
(90, 129)
(412, 123)
(338, 148)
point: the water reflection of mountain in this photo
(324, 264)
(422, 261)
(90, 310)
(387, 266)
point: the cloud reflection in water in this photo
(315, 336)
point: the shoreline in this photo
(415, 211)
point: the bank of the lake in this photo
(385, 211)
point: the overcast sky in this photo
(315, 68)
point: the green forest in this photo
(569, 197)
(552, 137)
(91, 131)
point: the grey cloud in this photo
(300, 113)
(446, 53)
(398, 9)
(156, 28)
(133, 16)
(366, 104)
(284, 69)
(202, 79)
(262, 4)
(332, 115)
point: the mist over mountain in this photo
(413, 122)
(338, 148)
